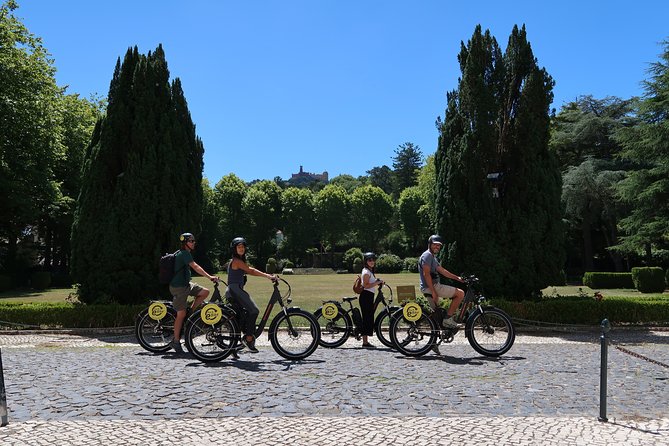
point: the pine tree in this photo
(498, 186)
(142, 183)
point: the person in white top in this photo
(366, 300)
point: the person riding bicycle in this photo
(429, 270)
(181, 287)
(366, 300)
(237, 270)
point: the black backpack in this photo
(166, 268)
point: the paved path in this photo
(107, 390)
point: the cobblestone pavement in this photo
(64, 389)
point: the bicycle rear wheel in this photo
(491, 332)
(295, 334)
(413, 338)
(155, 336)
(211, 343)
(382, 323)
(334, 332)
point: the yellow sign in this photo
(329, 311)
(157, 311)
(412, 312)
(211, 314)
(406, 293)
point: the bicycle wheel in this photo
(294, 335)
(413, 338)
(491, 332)
(382, 323)
(334, 332)
(211, 343)
(155, 336)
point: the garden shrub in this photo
(411, 264)
(40, 280)
(648, 279)
(271, 267)
(357, 265)
(606, 280)
(350, 256)
(389, 263)
(67, 315)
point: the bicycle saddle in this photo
(350, 299)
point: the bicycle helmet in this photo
(368, 256)
(186, 237)
(237, 241)
(435, 239)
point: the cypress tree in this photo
(498, 186)
(141, 186)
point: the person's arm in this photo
(238, 264)
(444, 272)
(366, 282)
(198, 269)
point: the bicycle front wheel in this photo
(155, 336)
(211, 343)
(334, 332)
(491, 332)
(295, 334)
(382, 326)
(413, 338)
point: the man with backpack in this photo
(181, 287)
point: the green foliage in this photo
(382, 177)
(507, 227)
(260, 221)
(357, 265)
(648, 279)
(606, 280)
(389, 263)
(142, 183)
(5, 282)
(588, 311)
(332, 207)
(372, 210)
(229, 195)
(66, 315)
(40, 280)
(298, 212)
(406, 165)
(646, 188)
(411, 264)
(271, 267)
(415, 225)
(349, 259)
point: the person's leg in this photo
(366, 302)
(200, 294)
(455, 303)
(180, 296)
(245, 301)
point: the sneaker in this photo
(368, 345)
(176, 345)
(450, 323)
(435, 349)
(251, 345)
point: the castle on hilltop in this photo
(308, 176)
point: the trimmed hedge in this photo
(648, 279)
(588, 311)
(66, 315)
(389, 264)
(606, 280)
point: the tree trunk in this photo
(587, 243)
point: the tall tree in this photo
(229, 195)
(30, 135)
(260, 225)
(646, 188)
(372, 211)
(382, 177)
(406, 165)
(498, 185)
(332, 208)
(415, 224)
(299, 230)
(142, 183)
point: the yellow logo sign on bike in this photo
(330, 311)
(157, 311)
(412, 312)
(211, 314)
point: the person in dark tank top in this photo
(237, 271)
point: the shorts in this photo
(180, 295)
(442, 291)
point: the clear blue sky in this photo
(337, 85)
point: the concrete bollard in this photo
(3, 396)
(604, 341)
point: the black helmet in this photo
(435, 239)
(237, 241)
(368, 256)
(186, 237)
